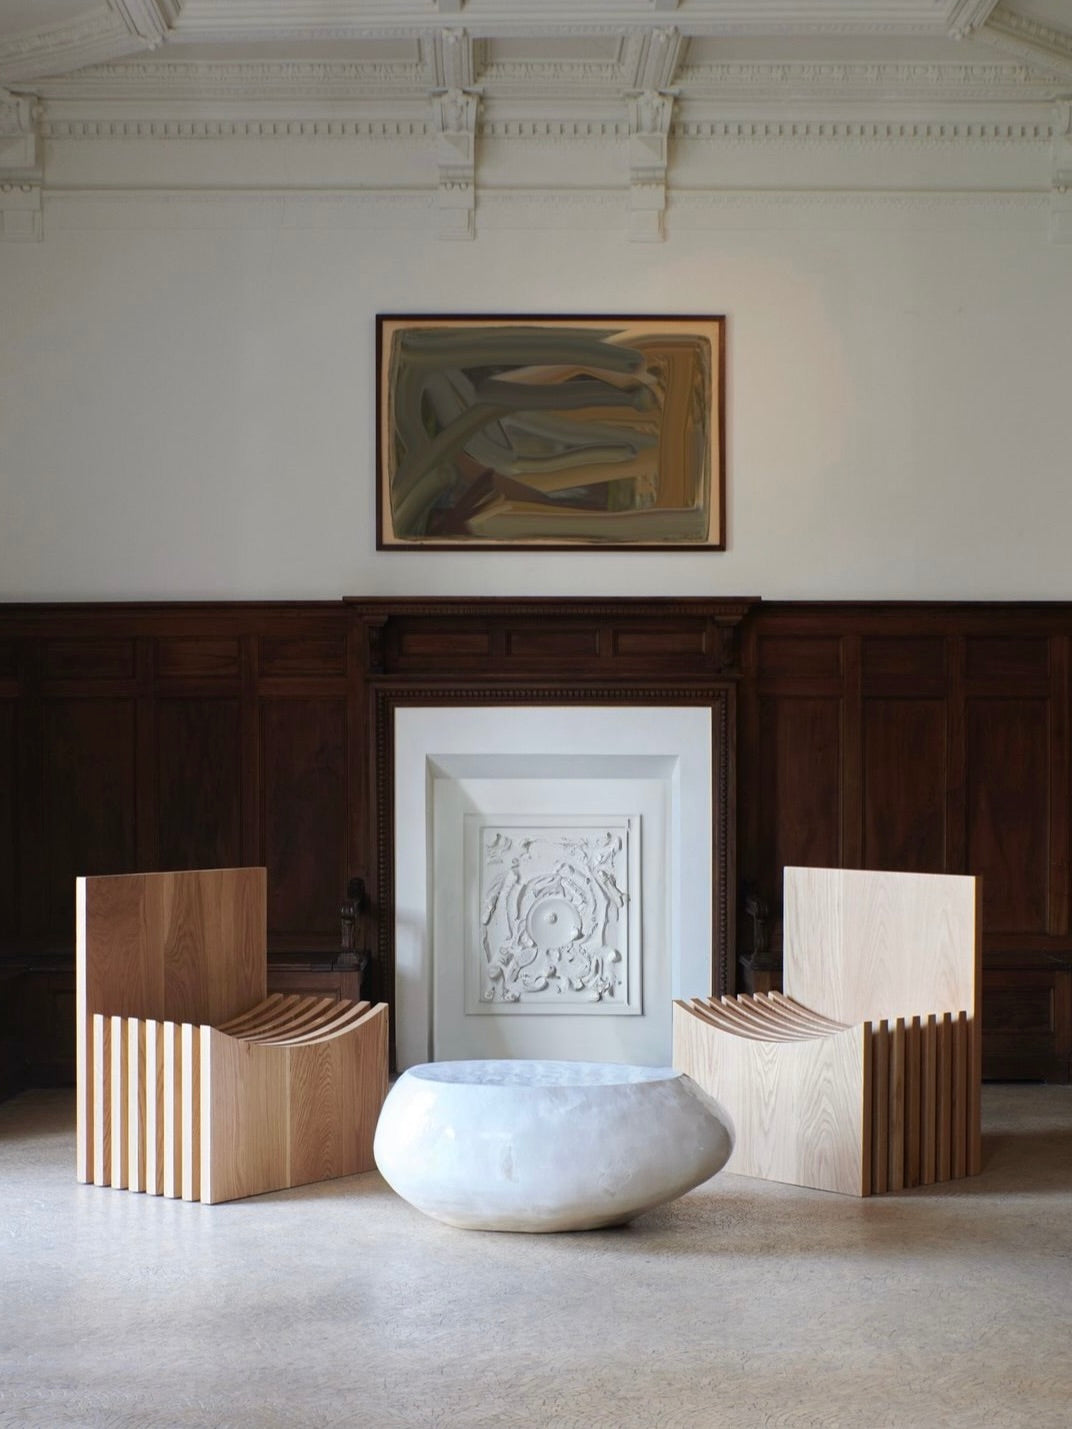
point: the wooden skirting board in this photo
(282, 1093)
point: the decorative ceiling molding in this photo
(461, 62)
(1031, 41)
(455, 59)
(150, 20)
(173, 126)
(1061, 174)
(658, 58)
(20, 178)
(454, 117)
(103, 32)
(98, 35)
(783, 84)
(650, 116)
(967, 15)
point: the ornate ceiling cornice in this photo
(1036, 44)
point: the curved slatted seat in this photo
(340, 1015)
(736, 1021)
(765, 1020)
(263, 1009)
(304, 1015)
(192, 1080)
(863, 1075)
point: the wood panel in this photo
(8, 816)
(304, 781)
(904, 783)
(799, 783)
(199, 774)
(88, 798)
(1008, 807)
(918, 736)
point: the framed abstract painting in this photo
(553, 433)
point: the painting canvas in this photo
(526, 432)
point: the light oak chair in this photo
(192, 1081)
(864, 1075)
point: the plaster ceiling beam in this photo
(20, 173)
(452, 59)
(208, 21)
(650, 115)
(98, 35)
(967, 15)
(1029, 40)
(454, 119)
(657, 56)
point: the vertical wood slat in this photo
(136, 1104)
(191, 1112)
(102, 1067)
(944, 1094)
(958, 1159)
(172, 1110)
(880, 1117)
(119, 1094)
(913, 1106)
(897, 1106)
(928, 1076)
(154, 1108)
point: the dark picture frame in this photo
(550, 433)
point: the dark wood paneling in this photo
(662, 643)
(310, 656)
(88, 659)
(904, 780)
(906, 735)
(1027, 1022)
(1008, 811)
(8, 814)
(199, 783)
(197, 659)
(442, 643)
(303, 774)
(800, 785)
(88, 798)
(915, 661)
(1009, 660)
(564, 643)
(799, 656)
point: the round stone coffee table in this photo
(546, 1146)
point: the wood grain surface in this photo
(287, 1091)
(868, 1089)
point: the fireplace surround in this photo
(488, 653)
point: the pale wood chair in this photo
(192, 1081)
(864, 1075)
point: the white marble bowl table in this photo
(546, 1146)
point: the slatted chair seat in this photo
(192, 1081)
(863, 1076)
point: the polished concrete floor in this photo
(742, 1304)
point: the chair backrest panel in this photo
(181, 947)
(861, 945)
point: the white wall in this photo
(186, 398)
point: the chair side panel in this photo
(336, 1089)
(801, 1110)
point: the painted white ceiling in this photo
(583, 49)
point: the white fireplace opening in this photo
(553, 879)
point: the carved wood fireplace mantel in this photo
(488, 652)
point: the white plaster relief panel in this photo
(553, 915)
